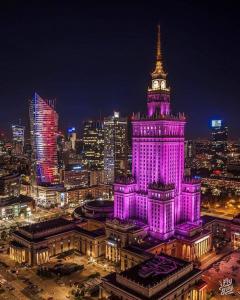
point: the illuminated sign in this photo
(116, 114)
(216, 123)
(72, 129)
(77, 167)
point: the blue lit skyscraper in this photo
(18, 138)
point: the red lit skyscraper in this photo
(43, 128)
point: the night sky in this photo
(96, 56)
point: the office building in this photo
(75, 176)
(219, 136)
(72, 137)
(10, 185)
(18, 138)
(93, 144)
(115, 147)
(35, 244)
(43, 129)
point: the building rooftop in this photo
(58, 186)
(100, 203)
(16, 244)
(74, 167)
(151, 274)
(125, 180)
(158, 296)
(9, 176)
(46, 225)
(95, 233)
(129, 225)
(154, 270)
(208, 219)
(158, 117)
(34, 239)
(192, 238)
(146, 244)
(160, 186)
(15, 200)
(96, 209)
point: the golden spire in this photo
(159, 71)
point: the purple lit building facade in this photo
(158, 194)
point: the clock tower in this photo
(159, 92)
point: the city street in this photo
(227, 268)
(57, 288)
(212, 257)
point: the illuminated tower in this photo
(18, 138)
(72, 137)
(158, 194)
(115, 147)
(44, 127)
(93, 144)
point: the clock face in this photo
(155, 84)
(163, 84)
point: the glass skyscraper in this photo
(115, 147)
(43, 129)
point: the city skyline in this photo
(131, 206)
(67, 55)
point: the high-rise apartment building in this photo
(219, 136)
(93, 144)
(43, 129)
(115, 147)
(72, 137)
(18, 138)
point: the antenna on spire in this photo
(158, 42)
(159, 63)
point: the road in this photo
(212, 258)
(50, 287)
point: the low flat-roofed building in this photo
(46, 195)
(95, 209)
(75, 176)
(35, 244)
(10, 185)
(159, 277)
(75, 196)
(16, 206)
(193, 241)
(235, 232)
(224, 229)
